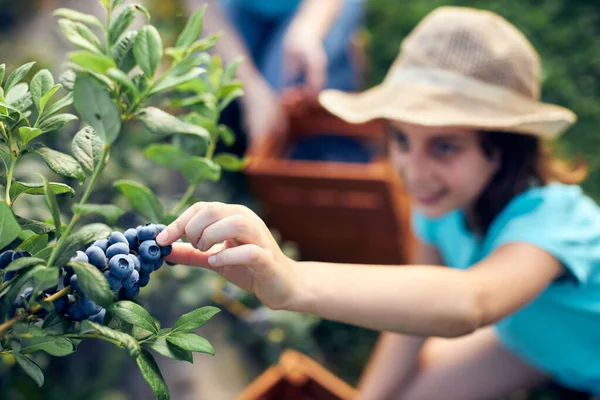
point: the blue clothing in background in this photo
(270, 8)
(559, 331)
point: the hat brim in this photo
(478, 107)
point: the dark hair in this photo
(525, 160)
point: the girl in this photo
(504, 292)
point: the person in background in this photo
(285, 44)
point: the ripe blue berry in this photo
(117, 237)
(117, 248)
(6, 258)
(149, 251)
(136, 262)
(97, 257)
(102, 243)
(75, 311)
(27, 293)
(125, 294)
(80, 256)
(160, 227)
(144, 279)
(98, 318)
(89, 307)
(61, 304)
(121, 266)
(113, 281)
(157, 264)
(131, 280)
(9, 275)
(166, 250)
(146, 268)
(74, 282)
(147, 232)
(132, 239)
(21, 253)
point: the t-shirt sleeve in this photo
(423, 227)
(565, 223)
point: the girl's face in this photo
(443, 168)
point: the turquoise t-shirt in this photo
(559, 331)
(269, 8)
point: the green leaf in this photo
(204, 44)
(194, 319)
(77, 16)
(120, 23)
(152, 375)
(31, 368)
(5, 159)
(93, 283)
(226, 135)
(24, 263)
(161, 123)
(171, 81)
(56, 122)
(161, 346)
(87, 148)
(44, 279)
(52, 205)
(126, 340)
(27, 134)
(41, 83)
(80, 35)
(45, 253)
(111, 212)
(120, 77)
(19, 188)
(34, 244)
(142, 199)
(231, 69)
(167, 155)
(56, 324)
(96, 230)
(96, 62)
(117, 3)
(72, 243)
(61, 163)
(2, 72)
(17, 75)
(96, 108)
(199, 168)
(15, 94)
(229, 162)
(59, 105)
(134, 314)
(229, 98)
(67, 79)
(191, 342)
(57, 347)
(148, 49)
(123, 51)
(143, 10)
(192, 29)
(9, 227)
(46, 98)
(31, 225)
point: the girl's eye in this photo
(401, 140)
(445, 149)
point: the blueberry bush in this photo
(64, 282)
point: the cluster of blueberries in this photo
(126, 260)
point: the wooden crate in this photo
(333, 211)
(297, 377)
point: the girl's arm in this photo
(394, 360)
(416, 299)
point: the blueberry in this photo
(147, 232)
(75, 311)
(102, 243)
(136, 262)
(166, 250)
(74, 282)
(98, 318)
(51, 290)
(125, 294)
(132, 239)
(117, 248)
(157, 264)
(61, 304)
(121, 266)
(131, 280)
(117, 237)
(146, 268)
(89, 307)
(113, 281)
(9, 275)
(6, 258)
(97, 257)
(149, 251)
(160, 227)
(19, 254)
(27, 293)
(144, 279)
(80, 256)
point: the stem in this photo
(92, 336)
(9, 177)
(77, 215)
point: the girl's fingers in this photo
(175, 230)
(247, 255)
(235, 227)
(184, 253)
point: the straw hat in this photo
(459, 67)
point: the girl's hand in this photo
(249, 256)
